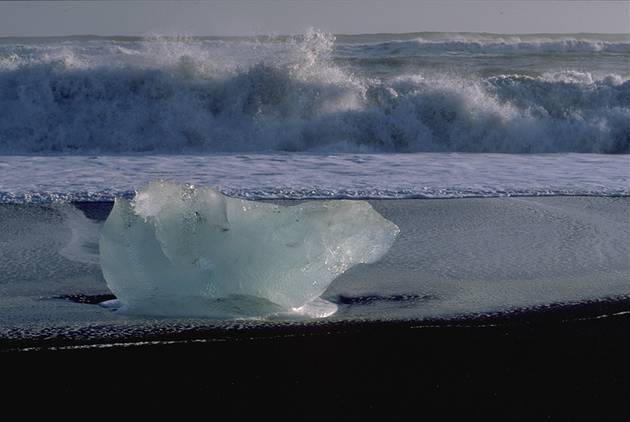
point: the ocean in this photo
(504, 159)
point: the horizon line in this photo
(274, 35)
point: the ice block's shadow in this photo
(179, 250)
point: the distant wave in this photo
(492, 45)
(178, 96)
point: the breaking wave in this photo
(187, 95)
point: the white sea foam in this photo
(42, 179)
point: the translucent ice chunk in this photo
(83, 243)
(190, 251)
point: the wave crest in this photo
(178, 96)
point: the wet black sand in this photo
(557, 362)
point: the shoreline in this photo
(502, 261)
(608, 312)
(552, 368)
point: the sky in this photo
(253, 17)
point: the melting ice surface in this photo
(180, 250)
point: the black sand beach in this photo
(548, 364)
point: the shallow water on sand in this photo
(454, 257)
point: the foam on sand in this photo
(180, 250)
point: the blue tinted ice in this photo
(180, 250)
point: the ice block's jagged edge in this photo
(178, 250)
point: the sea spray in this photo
(310, 93)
